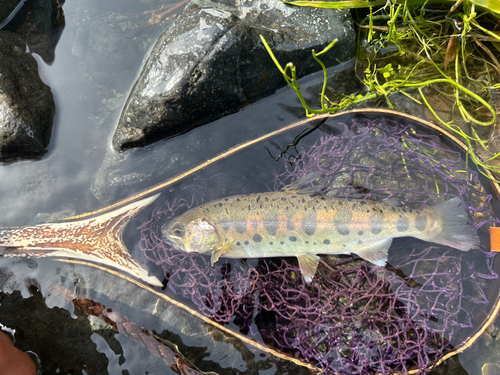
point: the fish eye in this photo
(178, 229)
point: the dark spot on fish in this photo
(403, 224)
(340, 203)
(249, 208)
(393, 209)
(303, 200)
(360, 233)
(258, 199)
(261, 206)
(307, 242)
(266, 199)
(246, 242)
(381, 211)
(215, 206)
(403, 210)
(360, 242)
(374, 209)
(354, 206)
(238, 243)
(326, 209)
(282, 243)
(323, 198)
(257, 237)
(342, 219)
(271, 224)
(220, 204)
(344, 245)
(411, 211)
(421, 222)
(292, 238)
(289, 225)
(226, 199)
(326, 242)
(270, 243)
(376, 222)
(362, 203)
(240, 226)
(227, 212)
(417, 212)
(225, 240)
(309, 222)
(286, 208)
(367, 211)
(315, 243)
(225, 224)
(283, 199)
(237, 199)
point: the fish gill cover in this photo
(354, 317)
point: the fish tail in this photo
(456, 232)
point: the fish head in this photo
(191, 232)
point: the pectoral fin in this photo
(220, 250)
(308, 264)
(376, 252)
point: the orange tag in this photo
(495, 238)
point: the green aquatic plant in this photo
(409, 47)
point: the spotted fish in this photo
(282, 224)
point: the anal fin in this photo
(376, 252)
(308, 264)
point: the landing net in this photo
(354, 318)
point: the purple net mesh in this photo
(354, 317)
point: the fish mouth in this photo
(174, 243)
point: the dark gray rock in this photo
(26, 103)
(41, 23)
(211, 63)
(8, 9)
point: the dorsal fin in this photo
(299, 186)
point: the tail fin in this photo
(98, 239)
(456, 231)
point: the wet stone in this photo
(8, 9)
(211, 62)
(41, 24)
(26, 103)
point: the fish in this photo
(97, 239)
(290, 224)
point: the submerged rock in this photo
(109, 55)
(8, 9)
(211, 63)
(41, 23)
(26, 103)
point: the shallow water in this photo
(88, 104)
